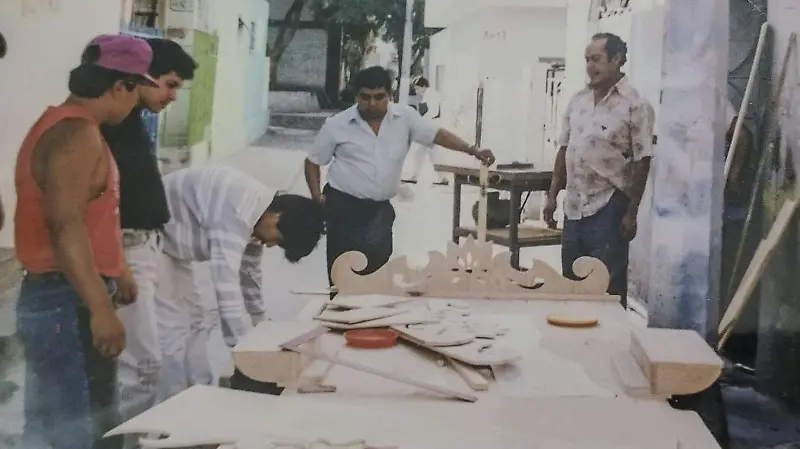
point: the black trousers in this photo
(599, 236)
(355, 224)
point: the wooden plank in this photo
(474, 353)
(354, 316)
(313, 291)
(444, 391)
(296, 345)
(755, 270)
(303, 338)
(675, 361)
(412, 316)
(471, 376)
(772, 122)
(362, 301)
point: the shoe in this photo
(409, 181)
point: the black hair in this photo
(91, 81)
(169, 56)
(301, 224)
(422, 82)
(614, 46)
(374, 77)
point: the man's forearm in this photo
(72, 251)
(639, 173)
(312, 173)
(236, 323)
(451, 141)
(250, 279)
(559, 181)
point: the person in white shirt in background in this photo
(221, 215)
(430, 108)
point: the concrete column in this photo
(687, 174)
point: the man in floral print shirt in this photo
(603, 162)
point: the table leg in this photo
(458, 181)
(513, 226)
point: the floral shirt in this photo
(603, 140)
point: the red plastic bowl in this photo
(371, 338)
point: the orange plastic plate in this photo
(371, 338)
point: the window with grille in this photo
(145, 14)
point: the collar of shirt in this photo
(622, 87)
(392, 112)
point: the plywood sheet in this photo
(207, 415)
(357, 315)
(411, 316)
(361, 301)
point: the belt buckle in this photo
(133, 239)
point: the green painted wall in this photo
(201, 101)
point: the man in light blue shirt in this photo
(366, 146)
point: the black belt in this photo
(330, 191)
(137, 237)
(45, 277)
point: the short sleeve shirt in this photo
(363, 164)
(603, 140)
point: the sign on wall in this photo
(181, 5)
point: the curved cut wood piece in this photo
(675, 361)
(471, 271)
(259, 355)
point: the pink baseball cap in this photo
(126, 54)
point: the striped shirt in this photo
(213, 211)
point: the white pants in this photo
(419, 158)
(139, 365)
(185, 322)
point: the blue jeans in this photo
(599, 236)
(70, 389)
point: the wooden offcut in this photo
(675, 361)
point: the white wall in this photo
(44, 43)
(445, 13)
(502, 47)
(436, 12)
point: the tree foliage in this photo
(361, 21)
(393, 26)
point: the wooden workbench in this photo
(570, 389)
(516, 182)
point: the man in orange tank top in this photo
(68, 240)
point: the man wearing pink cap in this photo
(67, 238)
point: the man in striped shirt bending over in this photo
(224, 216)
